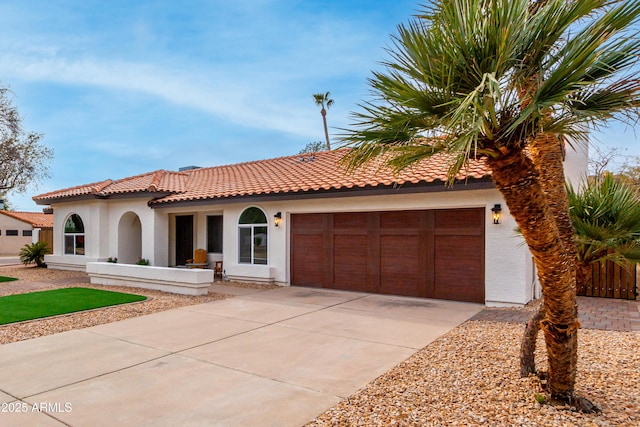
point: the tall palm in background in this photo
(324, 101)
(485, 78)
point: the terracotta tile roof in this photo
(291, 174)
(157, 181)
(36, 219)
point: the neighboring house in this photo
(302, 220)
(22, 228)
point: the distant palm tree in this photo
(485, 78)
(312, 147)
(325, 102)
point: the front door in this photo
(184, 239)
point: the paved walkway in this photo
(275, 357)
(594, 313)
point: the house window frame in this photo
(254, 229)
(76, 237)
(27, 233)
(12, 233)
(218, 237)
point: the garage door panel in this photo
(462, 219)
(306, 260)
(459, 268)
(355, 221)
(350, 262)
(308, 223)
(400, 220)
(399, 254)
(400, 269)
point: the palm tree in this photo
(459, 82)
(606, 216)
(324, 101)
(34, 253)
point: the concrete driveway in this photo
(275, 358)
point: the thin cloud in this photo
(230, 100)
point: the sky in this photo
(123, 87)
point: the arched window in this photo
(252, 232)
(74, 235)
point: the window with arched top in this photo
(252, 232)
(74, 235)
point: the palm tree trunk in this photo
(518, 181)
(528, 344)
(545, 150)
(546, 153)
(584, 273)
(326, 131)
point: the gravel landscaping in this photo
(470, 377)
(467, 377)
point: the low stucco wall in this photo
(174, 280)
(68, 262)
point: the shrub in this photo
(143, 261)
(34, 253)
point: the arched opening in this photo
(252, 233)
(74, 243)
(129, 238)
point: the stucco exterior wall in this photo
(576, 163)
(101, 219)
(508, 276)
(11, 245)
(507, 260)
(509, 273)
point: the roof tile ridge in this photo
(274, 159)
(62, 190)
(140, 175)
(18, 215)
(12, 214)
(155, 180)
(99, 187)
(22, 212)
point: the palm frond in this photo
(482, 75)
(606, 217)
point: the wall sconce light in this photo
(277, 219)
(496, 212)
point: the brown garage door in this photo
(429, 253)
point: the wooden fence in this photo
(46, 235)
(609, 280)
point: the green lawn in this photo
(35, 305)
(7, 279)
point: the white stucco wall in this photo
(101, 219)
(576, 163)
